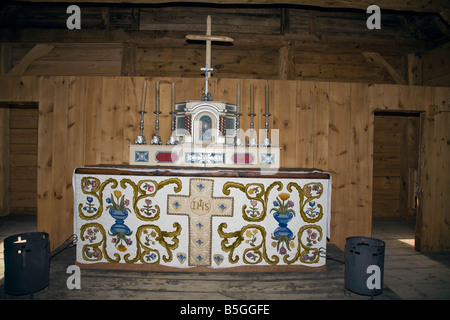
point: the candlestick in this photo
(156, 139)
(251, 140)
(266, 141)
(172, 139)
(237, 141)
(140, 138)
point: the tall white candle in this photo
(157, 96)
(252, 107)
(238, 99)
(144, 96)
(173, 96)
(267, 99)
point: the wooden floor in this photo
(409, 283)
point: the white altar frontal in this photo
(180, 219)
(209, 199)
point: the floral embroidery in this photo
(253, 210)
(91, 234)
(118, 206)
(150, 188)
(89, 254)
(281, 206)
(252, 237)
(89, 207)
(316, 188)
(89, 185)
(118, 239)
(311, 237)
(149, 237)
(310, 212)
(252, 256)
(148, 208)
(310, 256)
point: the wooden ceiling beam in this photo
(376, 59)
(37, 52)
(435, 6)
(310, 43)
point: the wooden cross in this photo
(208, 38)
(200, 206)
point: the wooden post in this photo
(128, 63)
(415, 73)
(286, 63)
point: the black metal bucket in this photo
(364, 265)
(27, 263)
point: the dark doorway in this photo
(395, 171)
(20, 151)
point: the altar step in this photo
(122, 284)
(316, 285)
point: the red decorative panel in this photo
(243, 158)
(166, 157)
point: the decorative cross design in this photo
(200, 206)
(208, 38)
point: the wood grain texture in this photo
(322, 125)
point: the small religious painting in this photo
(205, 128)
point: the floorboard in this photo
(416, 270)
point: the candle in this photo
(144, 95)
(267, 99)
(173, 96)
(157, 96)
(238, 102)
(251, 99)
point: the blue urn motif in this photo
(283, 220)
(119, 226)
(119, 211)
(283, 214)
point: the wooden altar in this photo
(208, 219)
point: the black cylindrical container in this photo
(27, 263)
(364, 265)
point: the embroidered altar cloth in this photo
(178, 219)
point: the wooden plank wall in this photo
(325, 125)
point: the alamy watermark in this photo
(74, 280)
(374, 280)
(74, 20)
(374, 21)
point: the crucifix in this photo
(208, 38)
